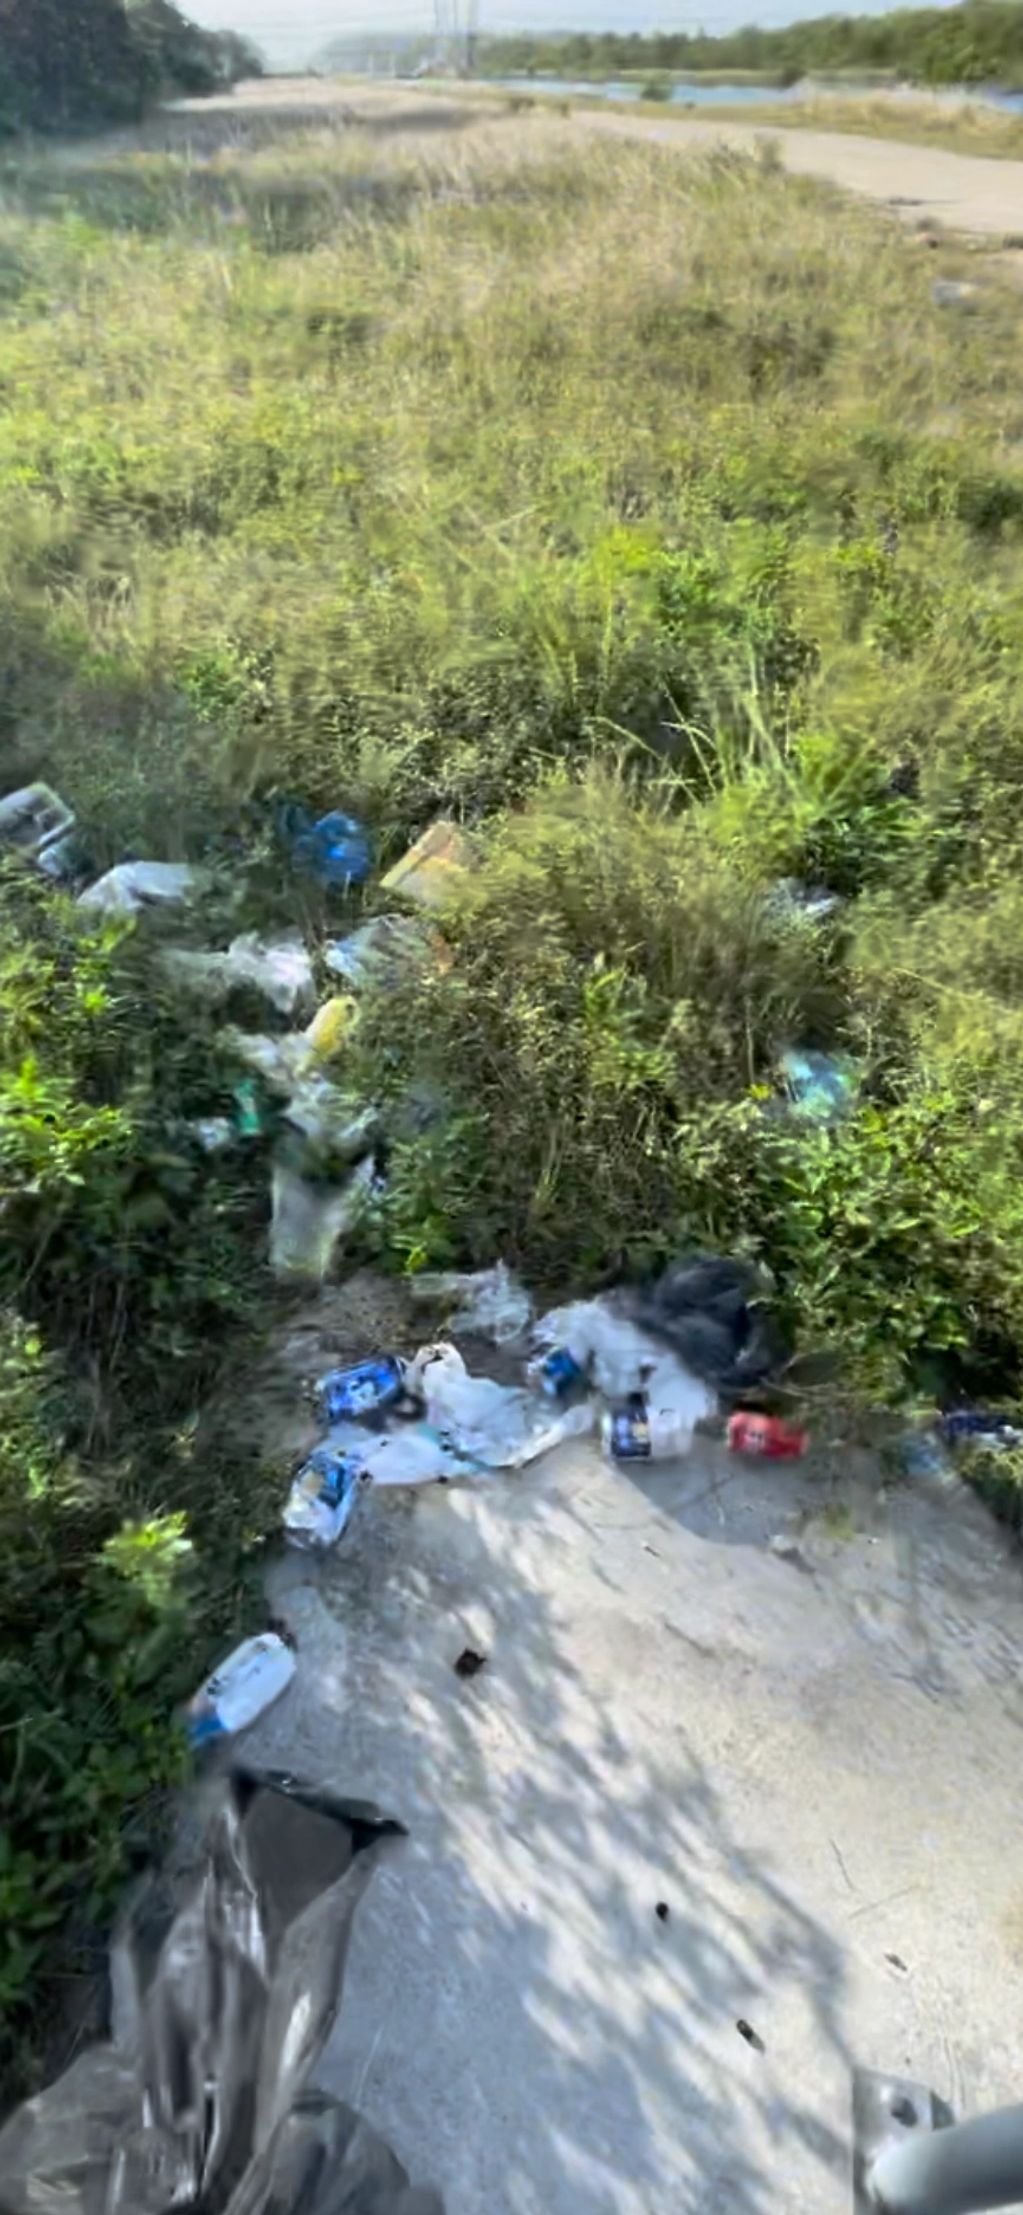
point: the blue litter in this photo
(364, 1390)
(335, 848)
(821, 1086)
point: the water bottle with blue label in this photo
(347, 1395)
(325, 1493)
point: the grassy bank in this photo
(651, 519)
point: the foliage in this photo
(68, 63)
(979, 41)
(135, 1268)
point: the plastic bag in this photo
(310, 1219)
(35, 819)
(821, 1086)
(709, 1309)
(490, 1301)
(416, 1453)
(278, 968)
(498, 1425)
(226, 1980)
(379, 952)
(140, 884)
(335, 849)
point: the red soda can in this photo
(765, 1434)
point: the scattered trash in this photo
(225, 1976)
(279, 969)
(497, 1425)
(785, 1548)
(379, 952)
(709, 1309)
(490, 1301)
(433, 868)
(620, 1358)
(334, 848)
(662, 1911)
(558, 1374)
(811, 903)
(765, 1435)
(821, 1086)
(950, 292)
(366, 1389)
(247, 1112)
(135, 885)
(982, 1426)
(636, 1431)
(470, 1663)
(897, 1962)
(281, 1062)
(310, 1219)
(747, 2032)
(213, 1132)
(328, 1119)
(922, 1454)
(324, 1494)
(416, 1453)
(244, 1686)
(35, 820)
(331, 1024)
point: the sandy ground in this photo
(812, 1758)
(961, 192)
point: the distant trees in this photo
(66, 63)
(977, 42)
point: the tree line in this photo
(69, 63)
(978, 42)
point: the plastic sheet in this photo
(227, 1980)
(380, 952)
(279, 969)
(490, 1301)
(309, 1219)
(134, 885)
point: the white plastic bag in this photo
(140, 884)
(496, 1424)
(379, 952)
(490, 1301)
(244, 1686)
(416, 1453)
(619, 1358)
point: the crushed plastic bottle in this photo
(366, 1389)
(766, 1435)
(244, 1686)
(325, 1492)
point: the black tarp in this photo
(225, 1979)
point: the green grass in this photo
(651, 519)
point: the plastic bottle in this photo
(636, 1430)
(244, 1686)
(325, 1492)
(365, 1389)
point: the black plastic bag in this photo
(225, 1984)
(708, 1309)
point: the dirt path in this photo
(962, 192)
(810, 1752)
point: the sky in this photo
(292, 31)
